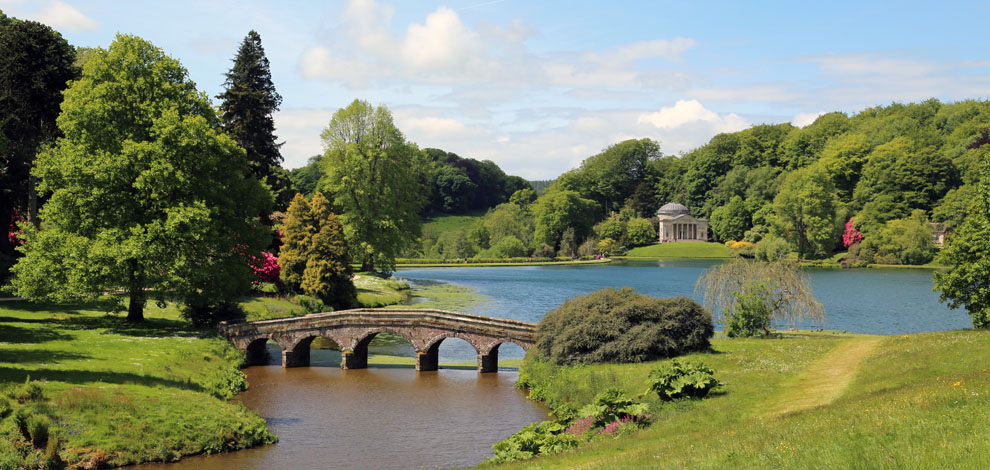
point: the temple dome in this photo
(673, 208)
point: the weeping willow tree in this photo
(747, 296)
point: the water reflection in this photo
(379, 418)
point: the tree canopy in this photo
(145, 190)
(36, 64)
(378, 181)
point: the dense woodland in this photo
(872, 182)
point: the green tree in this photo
(507, 247)
(377, 180)
(508, 220)
(248, 103)
(297, 233)
(454, 189)
(36, 64)
(749, 295)
(146, 192)
(305, 178)
(731, 221)
(639, 231)
(967, 253)
(558, 210)
(328, 267)
(806, 209)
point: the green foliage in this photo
(35, 65)
(310, 304)
(248, 104)
(145, 192)
(38, 428)
(730, 222)
(612, 228)
(771, 248)
(378, 181)
(507, 220)
(749, 294)
(558, 210)
(610, 177)
(455, 189)
(328, 266)
(967, 253)
(640, 231)
(507, 247)
(751, 317)
(610, 406)
(807, 212)
(305, 178)
(613, 325)
(609, 247)
(225, 383)
(541, 438)
(682, 380)
(297, 233)
(900, 241)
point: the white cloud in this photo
(805, 119)
(690, 111)
(61, 15)
(300, 129)
(860, 64)
(443, 42)
(443, 50)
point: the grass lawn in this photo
(118, 393)
(680, 250)
(807, 400)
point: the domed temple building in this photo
(677, 224)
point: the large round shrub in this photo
(619, 325)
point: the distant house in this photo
(939, 231)
(677, 224)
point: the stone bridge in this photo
(353, 330)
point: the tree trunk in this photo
(135, 309)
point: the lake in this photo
(396, 418)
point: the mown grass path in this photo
(825, 380)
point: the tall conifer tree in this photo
(328, 267)
(297, 233)
(249, 101)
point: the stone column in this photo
(488, 362)
(298, 357)
(428, 360)
(353, 359)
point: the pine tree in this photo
(328, 267)
(248, 102)
(297, 232)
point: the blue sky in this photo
(539, 86)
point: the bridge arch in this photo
(353, 331)
(256, 351)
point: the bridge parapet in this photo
(352, 330)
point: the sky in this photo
(538, 86)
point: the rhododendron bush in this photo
(851, 236)
(266, 268)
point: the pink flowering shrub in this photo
(611, 427)
(14, 233)
(581, 426)
(851, 235)
(268, 269)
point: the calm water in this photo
(395, 418)
(881, 301)
(378, 418)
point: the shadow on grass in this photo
(25, 320)
(80, 377)
(17, 335)
(149, 328)
(37, 355)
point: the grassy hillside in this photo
(680, 250)
(804, 401)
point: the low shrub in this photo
(613, 406)
(311, 304)
(28, 391)
(541, 438)
(225, 383)
(37, 429)
(751, 316)
(682, 380)
(619, 325)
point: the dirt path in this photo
(826, 378)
